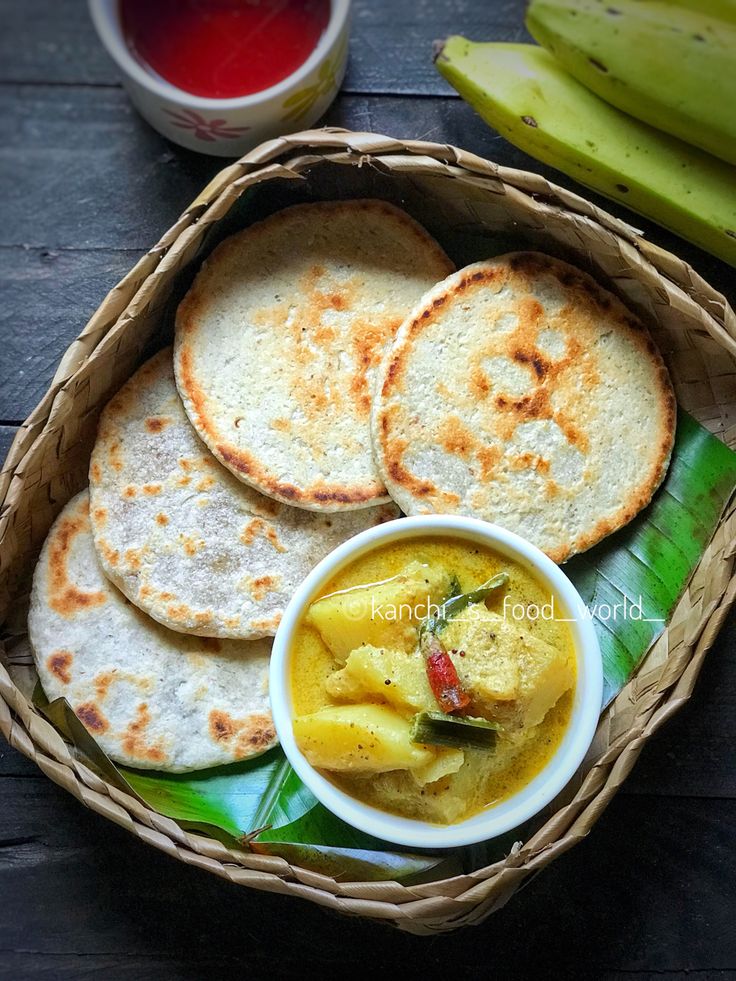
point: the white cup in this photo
(231, 127)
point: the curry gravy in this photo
(486, 777)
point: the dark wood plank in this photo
(6, 438)
(88, 178)
(694, 752)
(48, 296)
(598, 910)
(391, 45)
(141, 968)
(14, 764)
(51, 41)
(650, 892)
(84, 171)
(391, 42)
(74, 967)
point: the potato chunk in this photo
(359, 738)
(445, 762)
(439, 803)
(383, 615)
(512, 677)
(393, 676)
(342, 686)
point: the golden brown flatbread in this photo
(521, 392)
(278, 339)
(193, 547)
(152, 698)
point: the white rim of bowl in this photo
(575, 743)
(106, 20)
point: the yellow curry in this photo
(432, 678)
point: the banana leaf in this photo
(239, 798)
(263, 794)
(630, 584)
(358, 865)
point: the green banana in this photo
(528, 98)
(672, 67)
(720, 9)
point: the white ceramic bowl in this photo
(231, 127)
(545, 786)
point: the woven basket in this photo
(470, 204)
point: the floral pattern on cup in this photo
(203, 128)
(299, 104)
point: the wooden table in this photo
(86, 188)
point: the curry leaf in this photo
(456, 601)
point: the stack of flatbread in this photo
(159, 588)
(329, 369)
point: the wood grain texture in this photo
(83, 171)
(125, 904)
(391, 42)
(6, 438)
(91, 187)
(694, 753)
(14, 764)
(86, 187)
(48, 296)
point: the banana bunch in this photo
(634, 98)
(720, 9)
(674, 69)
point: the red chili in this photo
(444, 682)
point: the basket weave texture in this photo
(460, 198)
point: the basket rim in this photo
(659, 692)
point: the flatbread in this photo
(183, 539)
(278, 339)
(153, 699)
(520, 392)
